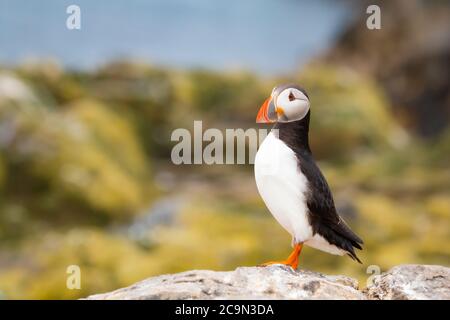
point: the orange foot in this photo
(292, 260)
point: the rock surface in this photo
(274, 282)
(281, 282)
(411, 282)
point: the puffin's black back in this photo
(322, 213)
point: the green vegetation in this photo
(82, 155)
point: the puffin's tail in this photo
(353, 255)
(343, 237)
(351, 240)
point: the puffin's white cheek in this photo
(297, 110)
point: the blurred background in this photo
(86, 117)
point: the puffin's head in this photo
(286, 103)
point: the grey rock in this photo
(406, 282)
(411, 282)
(273, 282)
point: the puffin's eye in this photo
(291, 97)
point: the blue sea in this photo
(265, 36)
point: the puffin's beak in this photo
(267, 112)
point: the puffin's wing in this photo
(324, 218)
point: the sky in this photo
(268, 37)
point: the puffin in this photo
(291, 184)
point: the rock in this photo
(404, 282)
(411, 282)
(274, 282)
(411, 50)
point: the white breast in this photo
(283, 187)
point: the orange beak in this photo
(266, 113)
